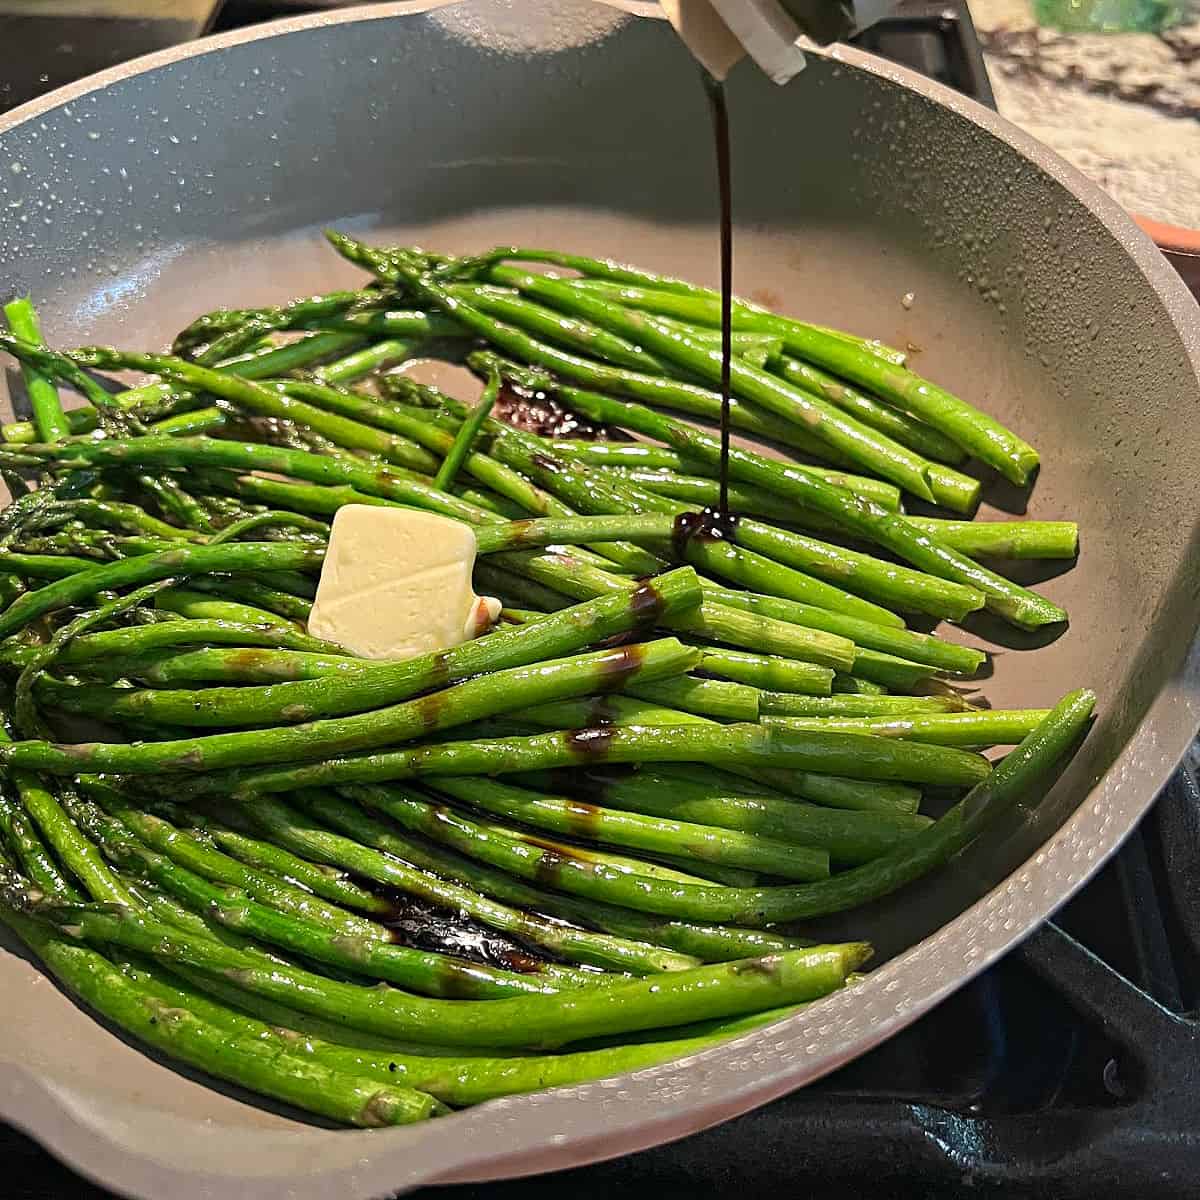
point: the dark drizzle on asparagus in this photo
(537, 412)
(424, 926)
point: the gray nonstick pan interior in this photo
(200, 178)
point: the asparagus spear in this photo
(854, 516)
(850, 837)
(29, 851)
(977, 433)
(856, 756)
(460, 449)
(377, 684)
(263, 401)
(903, 643)
(848, 436)
(458, 1080)
(991, 727)
(48, 417)
(654, 835)
(317, 878)
(670, 393)
(153, 399)
(538, 1021)
(574, 334)
(640, 456)
(335, 942)
(373, 851)
(455, 705)
(924, 439)
(1005, 539)
(275, 317)
(783, 704)
(765, 671)
(709, 942)
(241, 1059)
(181, 561)
(368, 360)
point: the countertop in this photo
(1124, 108)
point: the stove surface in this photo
(1067, 1070)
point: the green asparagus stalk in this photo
(29, 852)
(988, 727)
(570, 332)
(48, 417)
(654, 835)
(1013, 779)
(765, 671)
(369, 359)
(1005, 539)
(783, 704)
(854, 516)
(200, 606)
(924, 439)
(378, 684)
(262, 401)
(318, 878)
(320, 939)
(455, 705)
(457, 1080)
(72, 848)
(850, 837)
(150, 399)
(394, 323)
(903, 643)
(642, 457)
(460, 449)
(588, 491)
(540, 1021)
(222, 665)
(708, 942)
(374, 851)
(184, 560)
(566, 868)
(855, 756)
(862, 444)
(189, 850)
(683, 397)
(294, 315)
(724, 700)
(977, 433)
(507, 483)
(244, 1060)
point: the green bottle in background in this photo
(1109, 16)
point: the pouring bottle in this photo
(773, 33)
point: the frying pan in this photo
(200, 176)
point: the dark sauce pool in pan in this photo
(424, 926)
(540, 413)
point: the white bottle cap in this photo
(720, 33)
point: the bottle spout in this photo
(773, 33)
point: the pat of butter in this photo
(397, 582)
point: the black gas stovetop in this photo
(1069, 1070)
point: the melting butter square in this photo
(396, 582)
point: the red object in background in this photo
(1181, 247)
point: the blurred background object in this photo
(1109, 16)
(47, 43)
(1122, 107)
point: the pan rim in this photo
(583, 1124)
